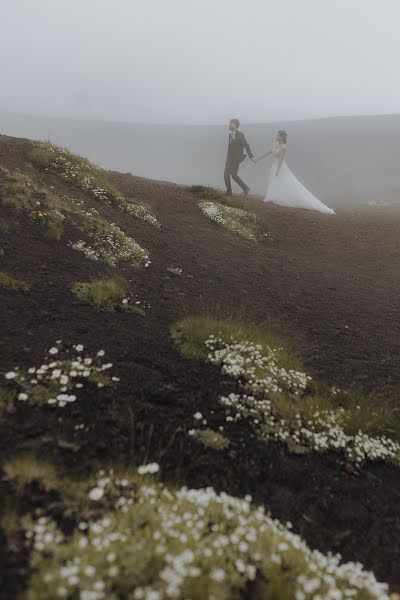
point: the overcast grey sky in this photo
(199, 61)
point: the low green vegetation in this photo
(143, 212)
(239, 221)
(13, 283)
(191, 334)
(23, 469)
(77, 170)
(232, 213)
(104, 241)
(210, 194)
(108, 294)
(64, 376)
(108, 243)
(105, 294)
(210, 439)
(283, 403)
(21, 191)
(141, 540)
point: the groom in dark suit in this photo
(236, 155)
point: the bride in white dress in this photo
(284, 188)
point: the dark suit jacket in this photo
(236, 147)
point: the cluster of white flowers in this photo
(256, 364)
(120, 491)
(58, 381)
(150, 468)
(44, 534)
(256, 368)
(236, 220)
(143, 213)
(179, 544)
(324, 431)
(82, 173)
(88, 251)
(81, 208)
(113, 247)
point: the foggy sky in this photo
(199, 61)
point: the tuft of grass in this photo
(231, 212)
(78, 171)
(210, 194)
(280, 401)
(107, 242)
(211, 439)
(144, 212)
(191, 333)
(20, 191)
(23, 469)
(13, 283)
(237, 220)
(105, 294)
(156, 542)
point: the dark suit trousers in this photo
(231, 170)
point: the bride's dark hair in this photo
(282, 134)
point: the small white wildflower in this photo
(96, 493)
(150, 468)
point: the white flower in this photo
(218, 575)
(150, 468)
(79, 347)
(53, 350)
(96, 493)
(10, 375)
(198, 416)
(22, 396)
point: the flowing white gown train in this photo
(285, 189)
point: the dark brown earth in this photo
(329, 283)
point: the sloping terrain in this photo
(342, 160)
(330, 284)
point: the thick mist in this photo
(344, 161)
(199, 62)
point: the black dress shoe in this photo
(228, 193)
(246, 191)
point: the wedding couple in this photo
(283, 187)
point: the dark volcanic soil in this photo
(330, 283)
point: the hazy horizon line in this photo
(175, 124)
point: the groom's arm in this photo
(248, 149)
